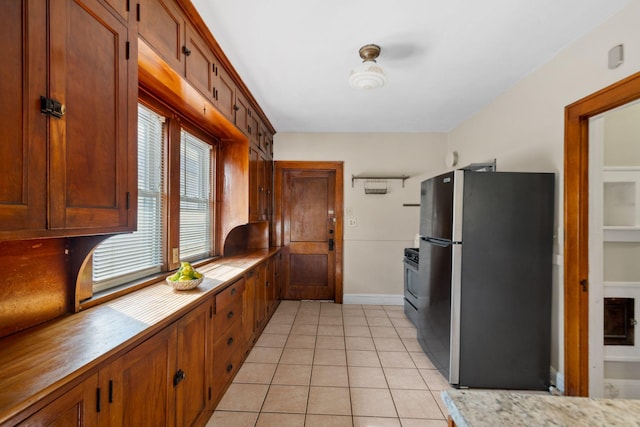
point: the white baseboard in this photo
(621, 389)
(373, 299)
(557, 379)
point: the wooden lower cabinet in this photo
(228, 341)
(177, 376)
(162, 380)
(77, 407)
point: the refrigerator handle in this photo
(437, 242)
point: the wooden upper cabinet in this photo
(92, 165)
(87, 144)
(122, 7)
(22, 128)
(242, 109)
(198, 63)
(161, 25)
(224, 90)
(253, 127)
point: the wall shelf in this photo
(378, 177)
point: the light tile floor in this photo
(320, 364)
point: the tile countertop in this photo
(473, 408)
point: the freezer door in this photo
(436, 207)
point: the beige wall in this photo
(373, 248)
(523, 129)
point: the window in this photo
(195, 198)
(126, 257)
(163, 145)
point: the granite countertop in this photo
(473, 408)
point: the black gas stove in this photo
(411, 282)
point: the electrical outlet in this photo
(352, 222)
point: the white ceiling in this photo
(445, 59)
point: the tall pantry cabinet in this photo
(67, 120)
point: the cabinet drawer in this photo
(229, 296)
(231, 341)
(225, 317)
(223, 372)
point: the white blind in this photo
(126, 257)
(195, 198)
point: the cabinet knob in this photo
(230, 315)
(229, 367)
(186, 50)
(230, 341)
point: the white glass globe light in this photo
(368, 75)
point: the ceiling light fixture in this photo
(368, 75)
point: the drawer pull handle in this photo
(230, 315)
(229, 367)
(230, 341)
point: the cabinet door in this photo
(225, 92)
(249, 308)
(253, 127)
(77, 407)
(192, 365)
(22, 127)
(143, 391)
(198, 63)
(261, 295)
(161, 25)
(241, 108)
(255, 183)
(92, 165)
(120, 6)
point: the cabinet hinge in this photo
(98, 399)
(210, 312)
(138, 12)
(128, 6)
(128, 200)
(110, 391)
(126, 52)
(209, 393)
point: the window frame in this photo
(174, 123)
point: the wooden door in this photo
(309, 231)
(93, 180)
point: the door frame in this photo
(576, 226)
(278, 215)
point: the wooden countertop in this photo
(472, 408)
(35, 362)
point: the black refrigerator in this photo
(484, 305)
